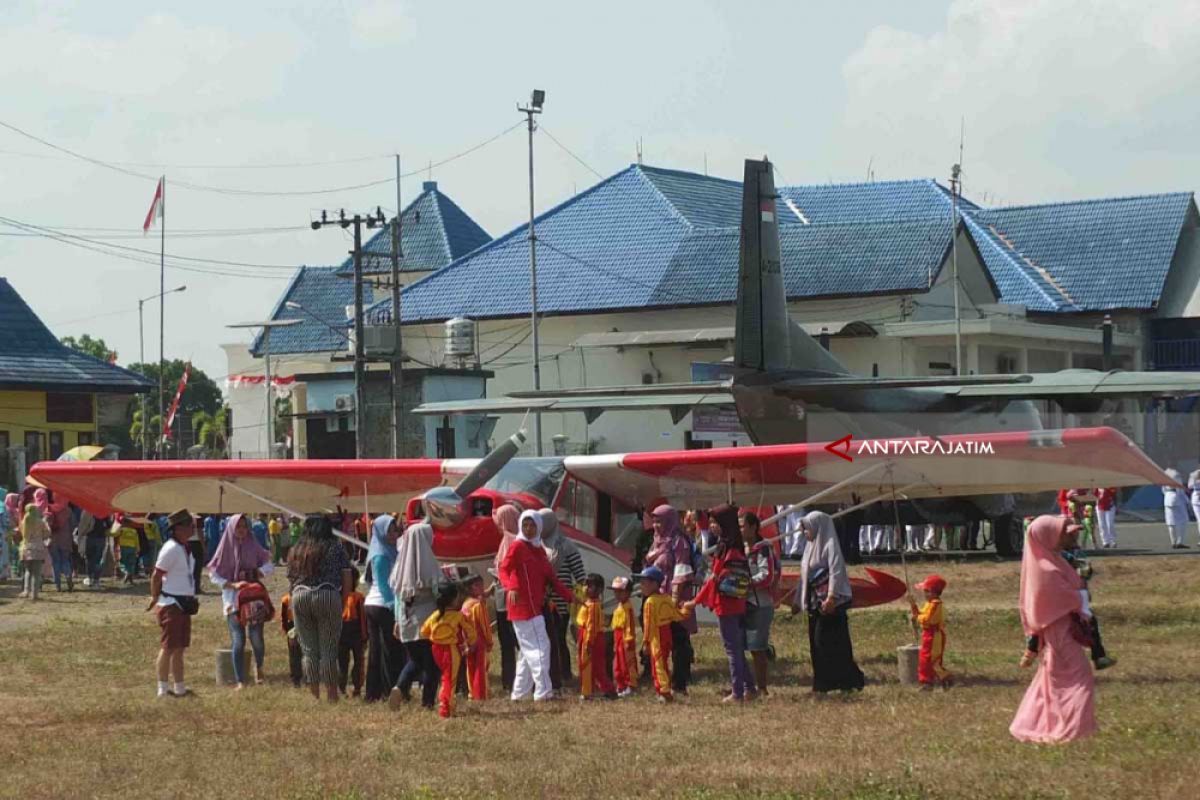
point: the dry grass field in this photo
(80, 718)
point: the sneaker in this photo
(626, 692)
(731, 698)
(666, 698)
(1105, 662)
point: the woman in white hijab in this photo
(825, 593)
(414, 581)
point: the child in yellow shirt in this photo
(451, 636)
(475, 610)
(624, 640)
(658, 612)
(593, 667)
(931, 618)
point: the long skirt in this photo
(832, 654)
(1060, 703)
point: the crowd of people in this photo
(405, 621)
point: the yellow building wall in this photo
(23, 412)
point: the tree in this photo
(200, 395)
(212, 431)
(96, 348)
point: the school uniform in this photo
(658, 612)
(476, 614)
(450, 635)
(932, 620)
(625, 673)
(593, 672)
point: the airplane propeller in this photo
(445, 506)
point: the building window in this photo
(74, 408)
(33, 448)
(87, 437)
(56, 444)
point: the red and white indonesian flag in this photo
(175, 403)
(156, 207)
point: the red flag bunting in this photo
(156, 208)
(175, 403)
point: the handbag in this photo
(734, 579)
(1081, 632)
(188, 604)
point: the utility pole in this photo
(536, 100)
(360, 387)
(955, 172)
(398, 354)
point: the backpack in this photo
(254, 605)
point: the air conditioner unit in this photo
(379, 340)
(344, 402)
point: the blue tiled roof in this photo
(866, 202)
(323, 297)
(1091, 255)
(434, 231)
(649, 237)
(32, 358)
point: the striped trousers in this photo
(318, 615)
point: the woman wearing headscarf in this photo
(316, 569)
(34, 533)
(240, 560)
(824, 592)
(671, 552)
(1059, 705)
(506, 518)
(725, 594)
(568, 566)
(525, 572)
(414, 582)
(385, 654)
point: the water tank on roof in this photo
(460, 339)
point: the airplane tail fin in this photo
(766, 337)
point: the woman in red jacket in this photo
(524, 574)
(725, 593)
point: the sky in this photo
(1052, 100)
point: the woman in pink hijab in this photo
(1059, 705)
(506, 518)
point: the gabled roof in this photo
(866, 202)
(322, 297)
(434, 231)
(648, 237)
(1087, 255)
(31, 357)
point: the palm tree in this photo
(137, 430)
(211, 430)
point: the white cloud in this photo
(1057, 95)
(382, 22)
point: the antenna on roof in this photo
(639, 151)
(870, 163)
(706, 165)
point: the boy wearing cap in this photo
(932, 619)
(624, 639)
(658, 612)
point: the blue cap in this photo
(651, 573)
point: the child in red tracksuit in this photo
(593, 666)
(451, 637)
(475, 611)
(931, 618)
(624, 640)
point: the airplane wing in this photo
(1086, 381)
(961, 465)
(679, 401)
(212, 486)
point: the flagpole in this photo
(162, 309)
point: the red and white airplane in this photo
(599, 499)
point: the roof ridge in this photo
(1045, 273)
(503, 240)
(441, 222)
(1092, 201)
(990, 239)
(674, 209)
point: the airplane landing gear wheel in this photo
(1009, 535)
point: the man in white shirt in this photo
(172, 594)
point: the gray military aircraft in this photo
(789, 388)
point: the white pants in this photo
(864, 538)
(1176, 533)
(1108, 526)
(533, 663)
(933, 538)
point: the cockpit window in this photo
(539, 477)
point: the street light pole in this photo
(142, 356)
(536, 100)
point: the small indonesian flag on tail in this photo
(166, 432)
(156, 207)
